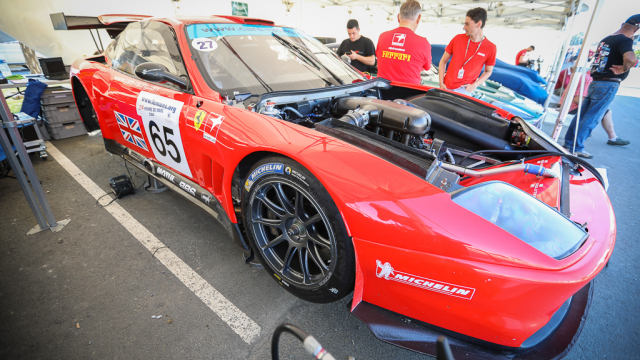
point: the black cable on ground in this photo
(131, 177)
(100, 205)
(282, 328)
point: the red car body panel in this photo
(392, 215)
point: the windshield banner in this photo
(211, 30)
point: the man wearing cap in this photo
(613, 58)
(401, 53)
(469, 52)
(358, 48)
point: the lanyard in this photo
(474, 54)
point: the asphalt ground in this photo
(90, 290)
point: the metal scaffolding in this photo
(25, 173)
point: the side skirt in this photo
(191, 191)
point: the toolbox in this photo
(61, 113)
(57, 95)
(67, 129)
(61, 116)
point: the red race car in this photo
(441, 213)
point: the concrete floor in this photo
(90, 290)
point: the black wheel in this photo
(296, 231)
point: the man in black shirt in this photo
(613, 58)
(358, 48)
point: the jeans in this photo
(462, 90)
(594, 106)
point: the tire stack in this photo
(61, 114)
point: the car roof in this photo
(218, 19)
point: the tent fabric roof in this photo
(515, 13)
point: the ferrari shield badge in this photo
(208, 124)
(199, 119)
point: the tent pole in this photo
(555, 71)
(582, 80)
(582, 60)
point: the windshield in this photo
(240, 58)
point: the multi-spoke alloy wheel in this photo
(293, 233)
(297, 232)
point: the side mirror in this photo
(346, 59)
(155, 72)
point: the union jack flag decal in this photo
(133, 124)
(122, 120)
(130, 129)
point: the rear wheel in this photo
(85, 108)
(296, 231)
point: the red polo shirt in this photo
(402, 55)
(520, 53)
(485, 55)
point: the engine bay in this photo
(443, 126)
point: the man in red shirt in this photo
(521, 58)
(401, 53)
(468, 52)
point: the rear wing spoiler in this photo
(112, 23)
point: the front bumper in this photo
(552, 342)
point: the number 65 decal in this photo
(160, 145)
(161, 118)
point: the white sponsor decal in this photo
(164, 173)
(481, 54)
(209, 137)
(296, 174)
(398, 39)
(537, 186)
(137, 84)
(161, 118)
(184, 186)
(387, 272)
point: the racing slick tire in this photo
(296, 231)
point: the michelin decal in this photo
(387, 272)
(289, 171)
(271, 168)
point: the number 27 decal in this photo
(204, 44)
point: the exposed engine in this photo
(396, 120)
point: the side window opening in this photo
(148, 41)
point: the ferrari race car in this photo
(440, 213)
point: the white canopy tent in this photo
(519, 14)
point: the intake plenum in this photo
(392, 117)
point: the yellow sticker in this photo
(277, 276)
(199, 119)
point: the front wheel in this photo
(296, 231)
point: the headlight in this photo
(523, 216)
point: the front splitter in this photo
(421, 337)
